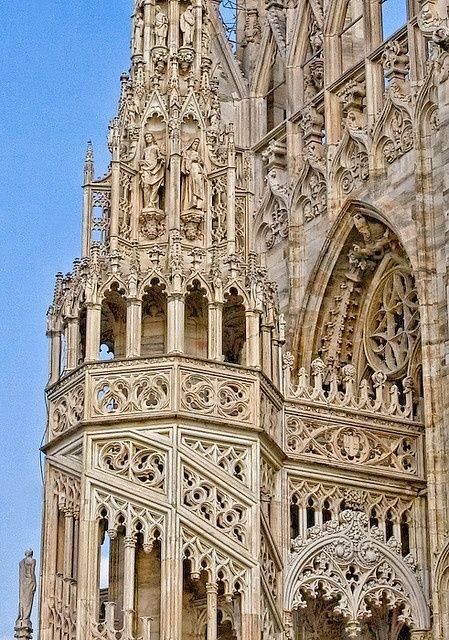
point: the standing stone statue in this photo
(139, 26)
(194, 177)
(160, 27)
(152, 172)
(27, 588)
(187, 24)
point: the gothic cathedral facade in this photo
(248, 398)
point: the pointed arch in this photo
(441, 574)
(347, 560)
(307, 321)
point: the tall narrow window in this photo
(294, 521)
(310, 513)
(103, 561)
(196, 321)
(393, 16)
(276, 95)
(113, 325)
(352, 41)
(234, 327)
(154, 317)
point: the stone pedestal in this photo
(23, 630)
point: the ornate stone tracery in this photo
(351, 565)
(243, 346)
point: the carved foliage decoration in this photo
(351, 444)
(214, 396)
(274, 207)
(354, 168)
(350, 165)
(347, 561)
(143, 465)
(214, 505)
(393, 132)
(312, 198)
(131, 394)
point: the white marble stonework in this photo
(248, 397)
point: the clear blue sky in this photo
(60, 69)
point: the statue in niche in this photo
(152, 168)
(187, 24)
(27, 588)
(139, 25)
(160, 27)
(193, 171)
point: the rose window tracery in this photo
(392, 324)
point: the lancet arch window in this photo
(208, 611)
(276, 94)
(234, 327)
(113, 324)
(154, 319)
(196, 321)
(82, 334)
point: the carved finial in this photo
(89, 163)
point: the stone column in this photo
(211, 591)
(276, 352)
(87, 219)
(115, 202)
(128, 584)
(175, 323)
(72, 342)
(133, 327)
(68, 550)
(266, 351)
(215, 331)
(230, 214)
(252, 339)
(93, 328)
(55, 355)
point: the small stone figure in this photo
(160, 27)
(139, 25)
(152, 172)
(187, 24)
(27, 588)
(194, 176)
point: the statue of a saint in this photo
(194, 176)
(160, 27)
(152, 168)
(187, 24)
(27, 588)
(139, 25)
